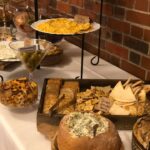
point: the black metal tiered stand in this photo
(99, 38)
(36, 14)
(83, 38)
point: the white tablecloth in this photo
(18, 127)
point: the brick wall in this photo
(129, 28)
(125, 40)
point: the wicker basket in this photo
(54, 56)
(50, 60)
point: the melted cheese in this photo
(82, 124)
(62, 26)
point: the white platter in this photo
(95, 26)
(6, 53)
(10, 60)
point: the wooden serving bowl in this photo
(50, 60)
(143, 125)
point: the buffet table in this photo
(18, 127)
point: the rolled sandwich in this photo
(51, 95)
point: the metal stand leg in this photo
(99, 39)
(36, 14)
(82, 57)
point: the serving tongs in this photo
(95, 129)
(54, 108)
(2, 83)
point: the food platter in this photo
(122, 122)
(94, 26)
(6, 53)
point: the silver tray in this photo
(5, 44)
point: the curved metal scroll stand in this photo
(99, 44)
(99, 39)
(83, 38)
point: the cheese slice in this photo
(117, 91)
(117, 110)
(124, 103)
(128, 95)
(122, 95)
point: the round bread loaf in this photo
(87, 131)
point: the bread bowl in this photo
(87, 131)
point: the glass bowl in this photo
(18, 93)
(31, 51)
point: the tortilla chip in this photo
(117, 110)
(122, 95)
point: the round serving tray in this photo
(10, 60)
(95, 26)
(5, 45)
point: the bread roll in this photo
(86, 131)
(68, 92)
(52, 93)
